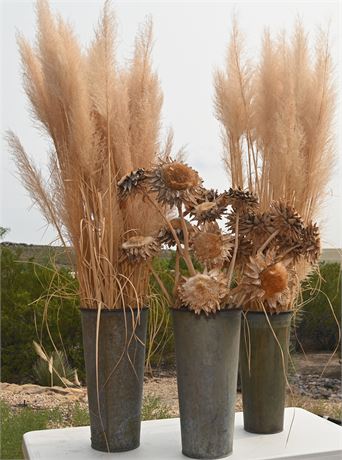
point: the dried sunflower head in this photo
(265, 280)
(140, 248)
(165, 235)
(241, 200)
(212, 247)
(131, 182)
(287, 221)
(204, 292)
(174, 183)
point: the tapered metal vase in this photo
(115, 374)
(207, 349)
(263, 367)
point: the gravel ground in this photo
(309, 390)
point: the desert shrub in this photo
(23, 320)
(46, 375)
(23, 316)
(318, 329)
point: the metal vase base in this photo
(207, 350)
(115, 410)
(263, 366)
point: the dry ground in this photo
(164, 387)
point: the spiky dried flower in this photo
(139, 248)
(311, 243)
(256, 226)
(293, 249)
(211, 209)
(212, 247)
(241, 200)
(165, 235)
(130, 183)
(245, 250)
(174, 183)
(204, 292)
(265, 280)
(287, 220)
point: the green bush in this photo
(318, 329)
(14, 423)
(23, 320)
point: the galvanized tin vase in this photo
(207, 350)
(262, 370)
(115, 410)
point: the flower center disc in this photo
(208, 245)
(274, 279)
(179, 177)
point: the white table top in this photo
(311, 437)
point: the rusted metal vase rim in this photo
(275, 314)
(203, 315)
(113, 310)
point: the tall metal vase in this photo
(115, 374)
(207, 349)
(263, 366)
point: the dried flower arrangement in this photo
(262, 247)
(170, 185)
(103, 120)
(276, 117)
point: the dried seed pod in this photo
(266, 280)
(311, 243)
(131, 182)
(174, 183)
(241, 200)
(211, 209)
(245, 250)
(204, 292)
(287, 221)
(253, 225)
(212, 247)
(140, 248)
(165, 235)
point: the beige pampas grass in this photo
(276, 117)
(103, 121)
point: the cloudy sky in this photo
(190, 42)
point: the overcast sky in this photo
(190, 42)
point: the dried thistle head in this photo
(311, 243)
(211, 209)
(140, 248)
(175, 183)
(212, 247)
(130, 183)
(165, 235)
(287, 220)
(241, 200)
(245, 250)
(253, 225)
(204, 292)
(264, 280)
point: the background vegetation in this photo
(16, 422)
(24, 318)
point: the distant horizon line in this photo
(7, 242)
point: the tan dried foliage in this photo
(103, 121)
(276, 116)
